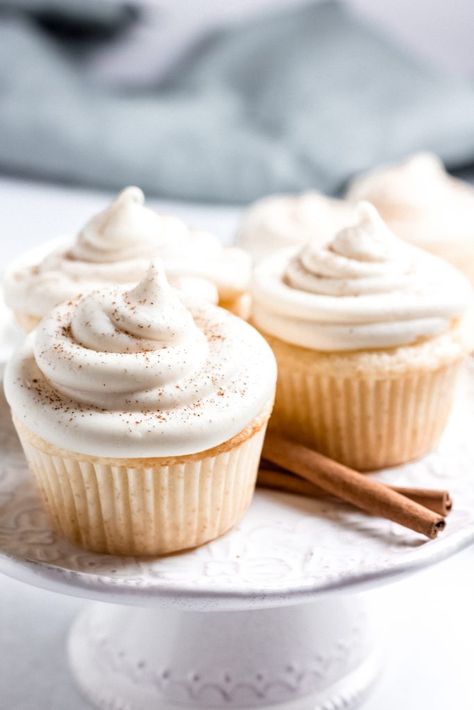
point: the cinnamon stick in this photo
(343, 482)
(271, 476)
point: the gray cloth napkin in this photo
(296, 100)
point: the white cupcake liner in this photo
(146, 507)
(366, 422)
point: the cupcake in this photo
(425, 206)
(368, 333)
(290, 220)
(142, 418)
(115, 247)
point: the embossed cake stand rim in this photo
(285, 551)
(146, 594)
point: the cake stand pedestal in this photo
(316, 655)
(269, 616)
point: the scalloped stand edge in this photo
(316, 656)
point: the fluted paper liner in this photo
(366, 421)
(146, 506)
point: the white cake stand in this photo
(266, 617)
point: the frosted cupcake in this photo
(115, 247)
(368, 335)
(424, 205)
(141, 419)
(290, 220)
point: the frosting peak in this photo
(121, 343)
(145, 318)
(363, 289)
(362, 258)
(369, 239)
(424, 164)
(417, 180)
(124, 230)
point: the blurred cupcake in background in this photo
(290, 220)
(424, 205)
(115, 247)
(368, 333)
(142, 419)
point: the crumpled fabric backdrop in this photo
(299, 99)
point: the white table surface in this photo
(425, 622)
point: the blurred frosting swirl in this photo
(82, 361)
(280, 221)
(363, 289)
(114, 247)
(132, 373)
(125, 230)
(421, 202)
(417, 181)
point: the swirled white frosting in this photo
(420, 201)
(115, 247)
(363, 289)
(125, 230)
(290, 220)
(134, 373)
